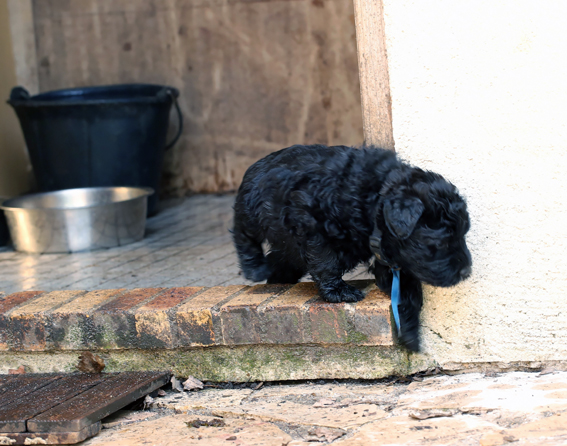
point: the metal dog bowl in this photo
(77, 219)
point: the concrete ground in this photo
(515, 408)
(187, 244)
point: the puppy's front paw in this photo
(409, 321)
(351, 294)
(342, 292)
(410, 340)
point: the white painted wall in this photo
(479, 94)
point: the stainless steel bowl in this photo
(74, 220)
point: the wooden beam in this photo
(14, 164)
(22, 31)
(373, 71)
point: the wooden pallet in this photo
(66, 408)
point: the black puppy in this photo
(323, 210)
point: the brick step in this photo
(190, 317)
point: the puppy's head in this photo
(425, 221)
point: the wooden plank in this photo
(53, 437)
(22, 31)
(96, 403)
(13, 155)
(13, 416)
(373, 72)
(5, 379)
(18, 386)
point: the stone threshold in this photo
(233, 333)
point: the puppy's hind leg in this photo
(248, 245)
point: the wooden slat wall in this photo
(255, 76)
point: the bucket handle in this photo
(19, 94)
(179, 116)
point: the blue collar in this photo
(396, 297)
(376, 247)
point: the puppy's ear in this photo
(401, 215)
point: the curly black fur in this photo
(317, 207)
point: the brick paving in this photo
(187, 244)
(180, 317)
(159, 302)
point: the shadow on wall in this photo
(254, 77)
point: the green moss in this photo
(355, 337)
(74, 337)
(296, 357)
(244, 363)
(249, 360)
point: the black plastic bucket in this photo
(97, 136)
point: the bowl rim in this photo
(6, 204)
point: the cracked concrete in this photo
(518, 408)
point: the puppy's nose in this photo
(466, 272)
